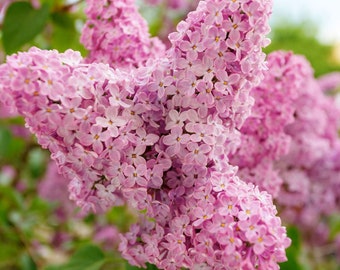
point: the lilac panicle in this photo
(158, 137)
(289, 144)
(263, 137)
(310, 170)
(116, 34)
(330, 81)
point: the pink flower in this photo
(94, 139)
(197, 154)
(226, 82)
(220, 224)
(134, 155)
(175, 118)
(146, 138)
(230, 240)
(215, 12)
(261, 240)
(203, 213)
(135, 175)
(192, 46)
(160, 83)
(111, 121)
(176, 243)
(205, 96)
(174, 172)
(174, 140)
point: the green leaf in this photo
(27, 263)
(121, 217)
(37, 162)
(8, 253)
(11, 148)
(86, 258)
(64, 33)
(334, 225)
(294, 251)
(21, 24)
(63, 19)
(5, 139)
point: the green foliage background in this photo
(301, 39)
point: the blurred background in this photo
(311, 28)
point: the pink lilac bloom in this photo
(116, 34)
(290, 144)
(310, 170)
(53, 188)
(107, 236)
(329, 81)
(197, 211)
(164, 177)
(263, 137)
(169, 13)
(203, 237)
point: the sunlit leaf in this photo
(293, 251)
(86, 258)
(21, 24)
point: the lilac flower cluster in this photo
(158, 136)
(198, 183)
(173, 4)
(53, 188)
(221, 223)
(330, 81)
(116, 34)
(263, 137)
(290, 146)
(310, 170)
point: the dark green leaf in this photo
(11, 148)
(27, 263)
(21, 24)
(8, 253)
(86, 258)
(37, 162)
(293, 251)
(64, 33)
(5, 139)
(334, 225)
(63, 19)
